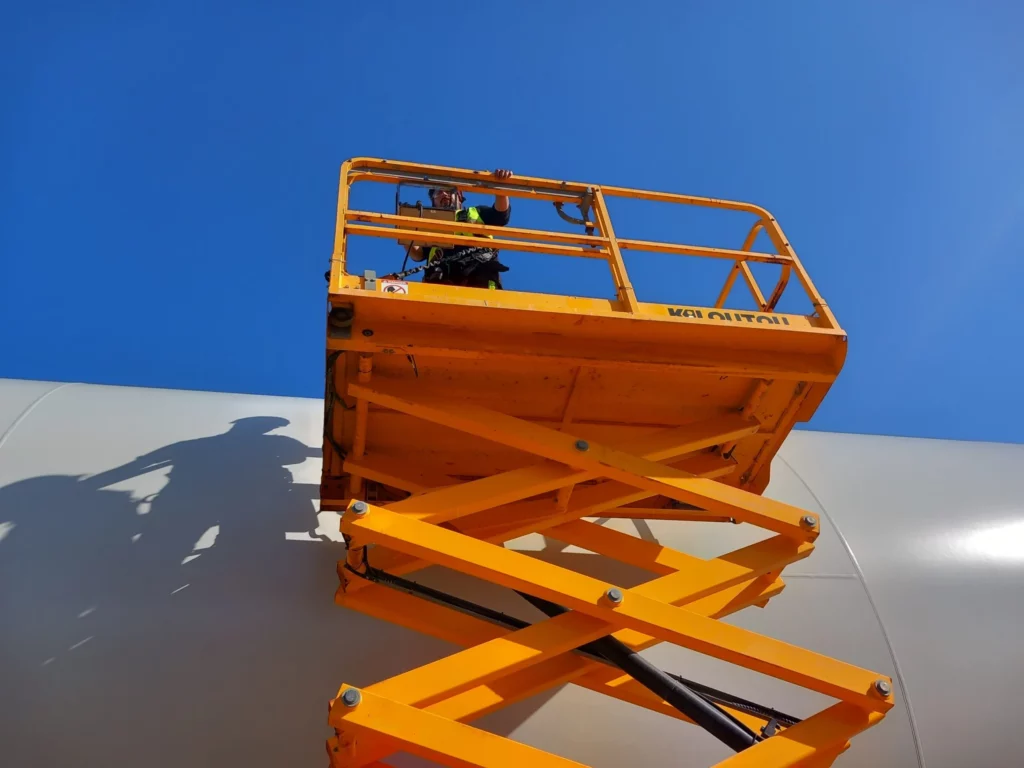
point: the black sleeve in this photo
(492, 217)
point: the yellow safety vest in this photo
(472, 217)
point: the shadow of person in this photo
(163, 594)
(64, 547)
(224, 494)
(183, 602)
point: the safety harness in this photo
(472, 216)
(437, 260)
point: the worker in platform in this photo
(464, 265)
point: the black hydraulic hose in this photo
(707, 715)
(508, 622)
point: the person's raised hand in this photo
(503, 173)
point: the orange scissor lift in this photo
(458, 419)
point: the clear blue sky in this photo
(169, 173)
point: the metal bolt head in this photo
(808, 521)
(367, 332)
(351, 698)
(582, 445)
(359, 508)
(614, 596)
(883, 687)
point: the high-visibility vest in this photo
(472, 217)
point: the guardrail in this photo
(593, 199)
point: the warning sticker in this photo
(394, 286)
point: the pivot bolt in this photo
(359, 508)
(614, 596)
(367, 332)
(883, 687)
(582, 445)
(351, 698)
(808, 521)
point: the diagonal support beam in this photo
(505, 523)
(601, 460)
(571, 402)
(407, 475)
(826, 731)
(438, 738)
(625, 688)
(446, 504)
(728, 569)
(496, 658)
(665, 513)
(503, 655)
(459, 628)
(453, 626)
(638, 610)
(589, 501)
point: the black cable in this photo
(465, 606)
(331, 396)
(457, 255)
(566, 217)
(509, 622)
(731, 700)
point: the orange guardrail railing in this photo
(592, 200)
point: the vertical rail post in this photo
(355, 482)
(338, 256)
(739, 266)
(748, 410)
(562, 499)
(623, 288)
(781, 242)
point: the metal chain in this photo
(457, 255)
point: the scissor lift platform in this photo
(458, 419)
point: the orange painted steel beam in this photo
(355, 482)
(651, 556)
(425, 173)
(623, 287)
(625, 688)
(680, 249)
(460, 628)
(517, 191)
(665, 513)
(438, 738)
(825, 731)
(512, 651)
(457, 501)
(450, 503)
(464, 178)
(438, 238)
(383, 469)
(637, 610)
(505, 523)
(789, 367)
(453, 227)
(738, 265)
(457, 627)
(604, 461)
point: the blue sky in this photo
(170, 170)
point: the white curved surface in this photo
(166, 592)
